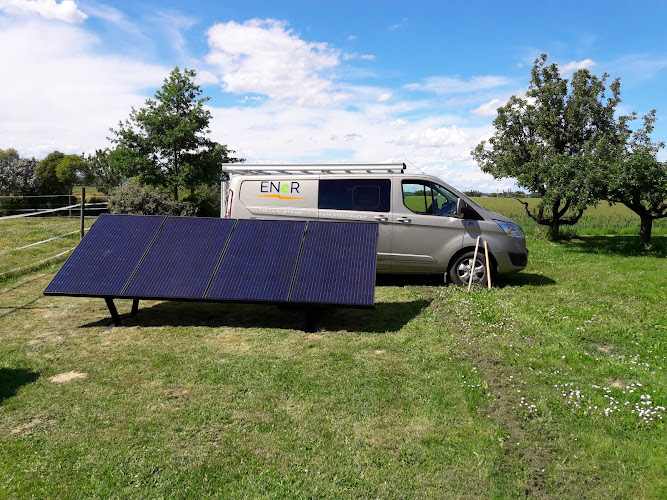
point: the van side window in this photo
(363, 195)
(428, 198)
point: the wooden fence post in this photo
(83, 208)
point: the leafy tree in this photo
(101, 172)
(46, 172)
(17, 176)
(7, 155)
(638, 179)
(555, 140)
(165, 143)
(58, 173)
(71, 170)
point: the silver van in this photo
(426, 226)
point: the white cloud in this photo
(384, 97)
(63, 94)
(348, 56)
(399, 123)
(637, 68)
(277, 131)
(452, 136)
(67, 10)
(573, 66)
(455, 85)
(489, 108)
(352, 37)
(206, 78)
(173, 24)
(265, 57)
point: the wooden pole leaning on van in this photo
(488, 270)
(474, 259)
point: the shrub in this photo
(142, 200)
(205, 200)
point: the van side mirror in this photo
(460, 207)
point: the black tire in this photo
(459, 273)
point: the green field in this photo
(550, 385)
(601, 219)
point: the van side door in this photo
(426, 232)
(360, 200)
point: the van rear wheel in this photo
(459, 273)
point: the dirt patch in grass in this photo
(313, 336)
(25, 429)
(617, 384)
(603, 348)
(46, 338)
(63, 378)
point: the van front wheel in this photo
(459, 273)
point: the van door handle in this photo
(381, 218)
(403, 219)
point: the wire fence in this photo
(63, 207)
(14, 205)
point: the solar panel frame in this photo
(107, 256)
(331, 266)
(182, 261)
(128, 241)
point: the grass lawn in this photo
(551, 385)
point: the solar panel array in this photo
(156, 257)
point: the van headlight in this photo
(511, 229)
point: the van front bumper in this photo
(511, 262)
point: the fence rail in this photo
(87, 206)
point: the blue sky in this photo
(302, 81)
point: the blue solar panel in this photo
(105, 259)
(259, 262)
(182, 260)
(337, 264)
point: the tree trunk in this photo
(645, 229)
(553, 233)
(175, 193)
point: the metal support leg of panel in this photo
(114, 312)
(312, 319)
(135, 307)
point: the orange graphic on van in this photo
(280, 197)
(288, 188)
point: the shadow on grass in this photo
(410, 280)
(11, 379)
(386, 316)
(518, 279)
(622, 246)
(522, 279)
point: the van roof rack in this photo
(311, 168)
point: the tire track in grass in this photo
(527, 453)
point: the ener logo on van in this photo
(283, 190)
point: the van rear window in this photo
(364, 195)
